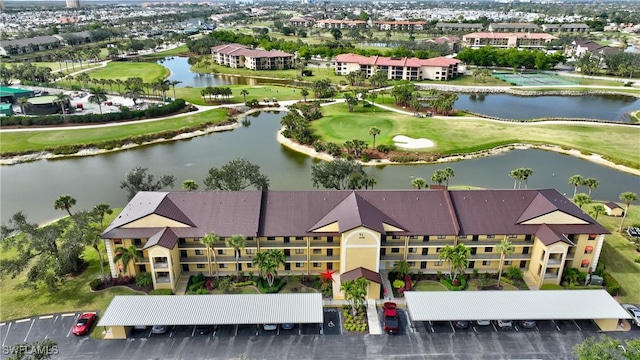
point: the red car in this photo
(390, 319)
(84, 323)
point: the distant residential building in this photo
(67, 19)
(400, 25)
(440, 68)
(73, 4)
(340, 24)
(238, 56)
(613, 209)
(558, 28)
(513, 27)
(27, 45)
(302, 21)
(580, 48)
(446, 27)
(452, 41)
(507, 40)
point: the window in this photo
(299, 238)
(438, 263)
(137, 242)
(270, 238)
(525, 250)
(395, 237)
(512, 236)
(330, 266)
(441, 237)
(249, 238)
(317, 251)
(316, 238)
(412, 263)
(462, 237)
(395, 250)
(200, 266)
(299, 264)
(438, 250)
(413, 237)
(316, 265)
(198, 252)
(592, 237)
(412, 250)
(196, 239)
(488, 249)
(486, 263)
(222, 266)
(299, 251)
(117, 241)
(249, 265)
(181, 240)
(491, 236)
(508, 262)
(220, 252)
(251, 251)
(330, 239)
(423, 265)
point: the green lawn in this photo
(165, 53)
(123, 70)
(618, 253)
(474, 283)
(259, 92)
(469, 80)
(38, 140)
(462, 135)
(73, 295)
(428, 285)
(319, 73)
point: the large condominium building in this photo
(73, 4)
(513, 27)
(340, 24)
(507, 40)
(458, 26)
(400, 25)
(440, 68)
(356, 233)
(238, 56)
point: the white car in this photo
(634, 311)
(483, 322)
(505, 323)
(270, 327)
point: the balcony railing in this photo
(319, 258)
(282, 245)
(163, 280)
(324, 244)
(161, 265)
(554, 262)
(392, 257)
(550, 276)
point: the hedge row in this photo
(125, 114)
(613, 286)
(161, 292)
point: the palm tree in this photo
(504, 248)
(210, 240)
(95, 242)
(244, 93)
(355, 292)
(369, 182)
(576, 180)
(374, 131)
(419, 183)
(526, 173)
(134, 92)
(581, 199)
(97, 96)
(173, 84)
(304, 93)
(102, 210)
(596, 210)
(591, 183)
(516, 174)
(401, 267)
(61, 100)
(449, 174)
(126, 256)
(457, 257)
(628, 197)
(64, 202)
(190, 185)
(438, 177)
(237, 242)
(268, 263)
(24, 103)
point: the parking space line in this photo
(236, 333)
(28, 331)
(21, 321)
(556, 325)
(494, 327)
(74, 321)
(7, 334)
(578, 326)
(69, 314)
(452, 327)
(46, 317)
(3, 324)
(193, 332)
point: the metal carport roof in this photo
(134, 310)
(513, 305)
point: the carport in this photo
(596, 305)
(124, 312)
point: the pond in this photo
(33, 187)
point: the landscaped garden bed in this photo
(354, 324)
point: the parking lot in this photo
(56, 327)
(561, 326)
(404, 321)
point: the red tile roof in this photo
(165, 238)
(388, 61)
(241, 50)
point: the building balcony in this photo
(319, 258)
(296, 258)
(282, 245)
(420, 243)
(324, 244)
(392, 257)
(193, 246)
(162, 265)
(418, 257)
(197, 259)
(554, 262)
(163, 280)
(550, 276)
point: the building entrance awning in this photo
(513, 305)
(134, 310)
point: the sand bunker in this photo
(406, 142)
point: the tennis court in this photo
(533, 79)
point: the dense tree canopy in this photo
(513, 58)
(339, 174)
(139, 180)
(236, 175)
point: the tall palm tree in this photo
(581, 199)
(173, 86)
(190, 185)
(102, 210)
(596, 210)
(64, 202)
(134, 92)
(401, 267)
(576, 180)
(237, 242)
(210, 240)
(61, 100)
(269, 262)
(96, 96)
(516, 175)
(526, 173)
(628, 197)
(457, 257)
(259, 260)
(126, 255)
(244, 93)
(419, 183)
(449, 174)
(304, 93)
(591, 183)
(504, 248)
(374, 131)
(369, 182)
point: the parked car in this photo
(634, 311)
(84, 323)
(159, 329)
(203, 330)
(505, 324)
(287, 326)
(390, 320)
(461, 324)
(483, 322)
(528, 324)
(270, 327)
(140, 328)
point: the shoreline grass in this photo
(464, 135)
(259, 92)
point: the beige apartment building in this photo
(507, 40)
(440, 68)
(239, 56)
(363, 231)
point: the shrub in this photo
(448, 283)
(196, 285)
(144, 279)
(637, 260)
(243, 283)
(406, 158)
(398, 284)
(613, 286)
(551, 287)
(95, 284)
(507, 280)
(513, 273)
(198, 278)
(332, 149)
(264, 288)
(210, 284)
(161, 292)
(318, 146)
(365, 158)
(202, 291)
